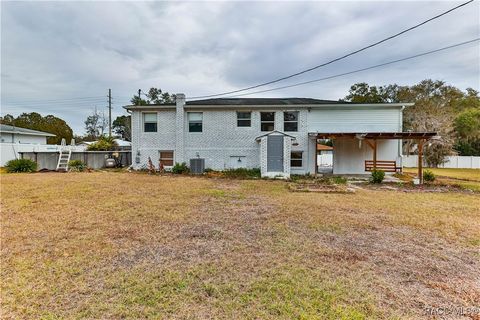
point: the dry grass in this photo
(118, 245)
(462, 174)
(463, 178)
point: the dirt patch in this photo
(409, 187)
(318, 187)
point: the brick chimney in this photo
(180, 130)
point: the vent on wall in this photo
(197, 165)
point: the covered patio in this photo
(372, 138)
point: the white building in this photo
(14, 140)
(279, 136)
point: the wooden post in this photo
(374, 154)
(420, 161)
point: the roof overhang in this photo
(42, 134)
(375, 135)
(275, 132)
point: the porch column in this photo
(374, 154)
(420, 161)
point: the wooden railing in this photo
(384, 165)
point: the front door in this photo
(275, 153)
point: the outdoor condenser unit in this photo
(197, 165)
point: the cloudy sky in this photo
(62, 57)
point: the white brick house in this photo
(278, 136)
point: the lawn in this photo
(127, 245)
(465, 178)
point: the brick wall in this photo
(220, 143)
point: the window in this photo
(296, 160)
(290, 121)
(195, 121)
(244, 119)
(149, 122)
(267, 121)
(166, 158)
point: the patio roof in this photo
(375, 135)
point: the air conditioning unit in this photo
(197, 165)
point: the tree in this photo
(36, 121)
(154, 96)
(122, 126)
(95, 125)
(363, 93)
(467, 127)
(103, 144)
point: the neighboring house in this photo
(279, 136)
(11, 134)
(121, 144)
(324, 158)
(14, 140)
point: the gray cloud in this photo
(60, 50)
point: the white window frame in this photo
(269, 121)
(189, 121)
(291, 121)
(296, 159)
(144, 122)
(244, 119)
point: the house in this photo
(277, 135)
(14, 140)
(11, 134)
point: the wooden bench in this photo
(384, 165)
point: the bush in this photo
(242, 173)
(377, 176)
(76, 166)
(428, 176)
(103, 144)
(21, 165)
(180, 168)
(339, 180)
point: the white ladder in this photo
(64, 158)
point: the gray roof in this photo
(11, 129)
(260, 101)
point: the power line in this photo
(336, 59)
(360, 70)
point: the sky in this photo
(61, 57)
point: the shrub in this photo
(103, 144)
(76, 165)
(180, 168)
(21, 165)
(428, 176)
(339, 180)
(377, 176)
(242, 173)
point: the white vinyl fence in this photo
(459, 162)
(10, 151)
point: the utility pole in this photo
(139, 97)
(110, 113)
